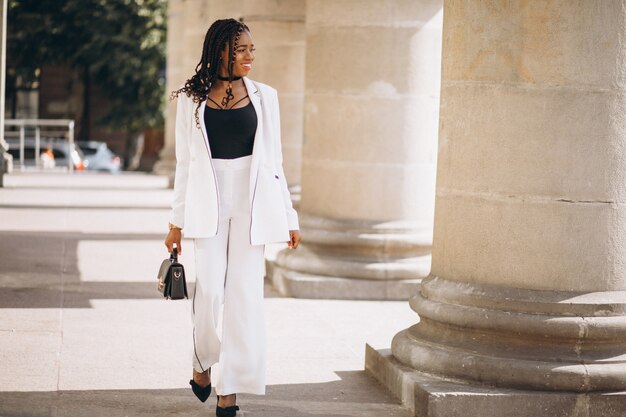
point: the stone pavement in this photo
(83, 331)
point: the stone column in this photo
(368, 169)
(528, 282)
(178, 68)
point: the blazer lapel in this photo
(257, 149)
(205, 136)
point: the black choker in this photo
(219, 77)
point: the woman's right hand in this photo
(174, 237)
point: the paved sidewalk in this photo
(83, 331)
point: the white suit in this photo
(195, 206)
(231, 208)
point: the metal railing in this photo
(37, 124)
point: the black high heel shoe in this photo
(226, 411)
(201, 392)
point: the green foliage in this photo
(120, 42)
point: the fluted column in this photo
(528, 281)
(371, 110)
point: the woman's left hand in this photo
(294, 239)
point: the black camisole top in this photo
(230, 132)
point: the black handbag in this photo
(172, 282)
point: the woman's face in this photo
(244, 55)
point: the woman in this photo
(231, 197)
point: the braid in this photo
(221, 33)
(232, 47)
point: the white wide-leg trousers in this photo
(227, 307)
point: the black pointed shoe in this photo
(226, 411)
(201, 392)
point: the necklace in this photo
(219, 77)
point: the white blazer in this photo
(195, 207)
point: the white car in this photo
(99, 157)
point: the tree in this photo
(119, 44)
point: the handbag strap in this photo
(174, 255)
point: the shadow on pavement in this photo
(357, 393)
(77, 295)
(40, 270)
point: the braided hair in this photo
(221, 33)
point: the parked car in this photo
(60, 155)
(100, 157)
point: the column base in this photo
(354, 260)
(301, 285)
(517, 338)
(429, 396)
